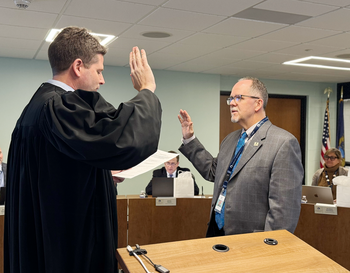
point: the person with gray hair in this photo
(61, 211)
(332, 168)
(258, 172)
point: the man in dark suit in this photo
(171, 169)
(262, 191)
(3, 169)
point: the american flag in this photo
(326, 138)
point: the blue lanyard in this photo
(235, 158)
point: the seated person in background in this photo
(324, 177)
(170, 170)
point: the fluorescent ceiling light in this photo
(105, 39)
(321, 62)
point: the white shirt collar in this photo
(174, 174)
(64, 86)
(250, 129)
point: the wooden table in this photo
(149, 224)
(248, 253)
(329, 234)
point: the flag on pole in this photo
(326, 138)
(340, 128)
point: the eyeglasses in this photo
(170, 164)
(331, 158)
(238, 98)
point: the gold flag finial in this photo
(328, 90)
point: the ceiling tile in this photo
(243, 28)
(188, 51)
(270, 16)
(213, 60)
(159, 60)
(304, 50)
(337, 3)
(95, 25)
(235, 54)
(213, 40)
(263, 45)
(274, 58)
(27, 18)
(296, 7)
(52, 6)
(218, 7)
(232, 70)
(335, 20)
(334, 54)
(148, 45)
(248, 64)
(22, 32)
(193, 66)
(148, 2)
(340, 40)
(117, 56)
(298, 34)
(203, 38)
(24, 53)
(136, 32)
(178, 19)
(19, 43)
(109, 10)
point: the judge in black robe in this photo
(60, 213)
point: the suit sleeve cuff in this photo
(188, 140)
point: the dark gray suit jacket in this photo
(4, 169)
(264, 191)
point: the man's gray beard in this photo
(234, 120)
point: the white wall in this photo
(197, 93)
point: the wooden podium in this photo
(151, 224)
(247, 253)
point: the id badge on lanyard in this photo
(220, 201)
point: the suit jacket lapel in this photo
(254, 145)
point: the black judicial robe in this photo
(60, 211)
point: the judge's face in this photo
(91, 77)
(331, 160)
(171, 165)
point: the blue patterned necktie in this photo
(220, 217)
(170, 176)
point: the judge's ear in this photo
(77, 67)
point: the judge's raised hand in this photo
(141, 73)
(186, 124)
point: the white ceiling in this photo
(227, 37)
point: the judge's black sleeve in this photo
(60, 213)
